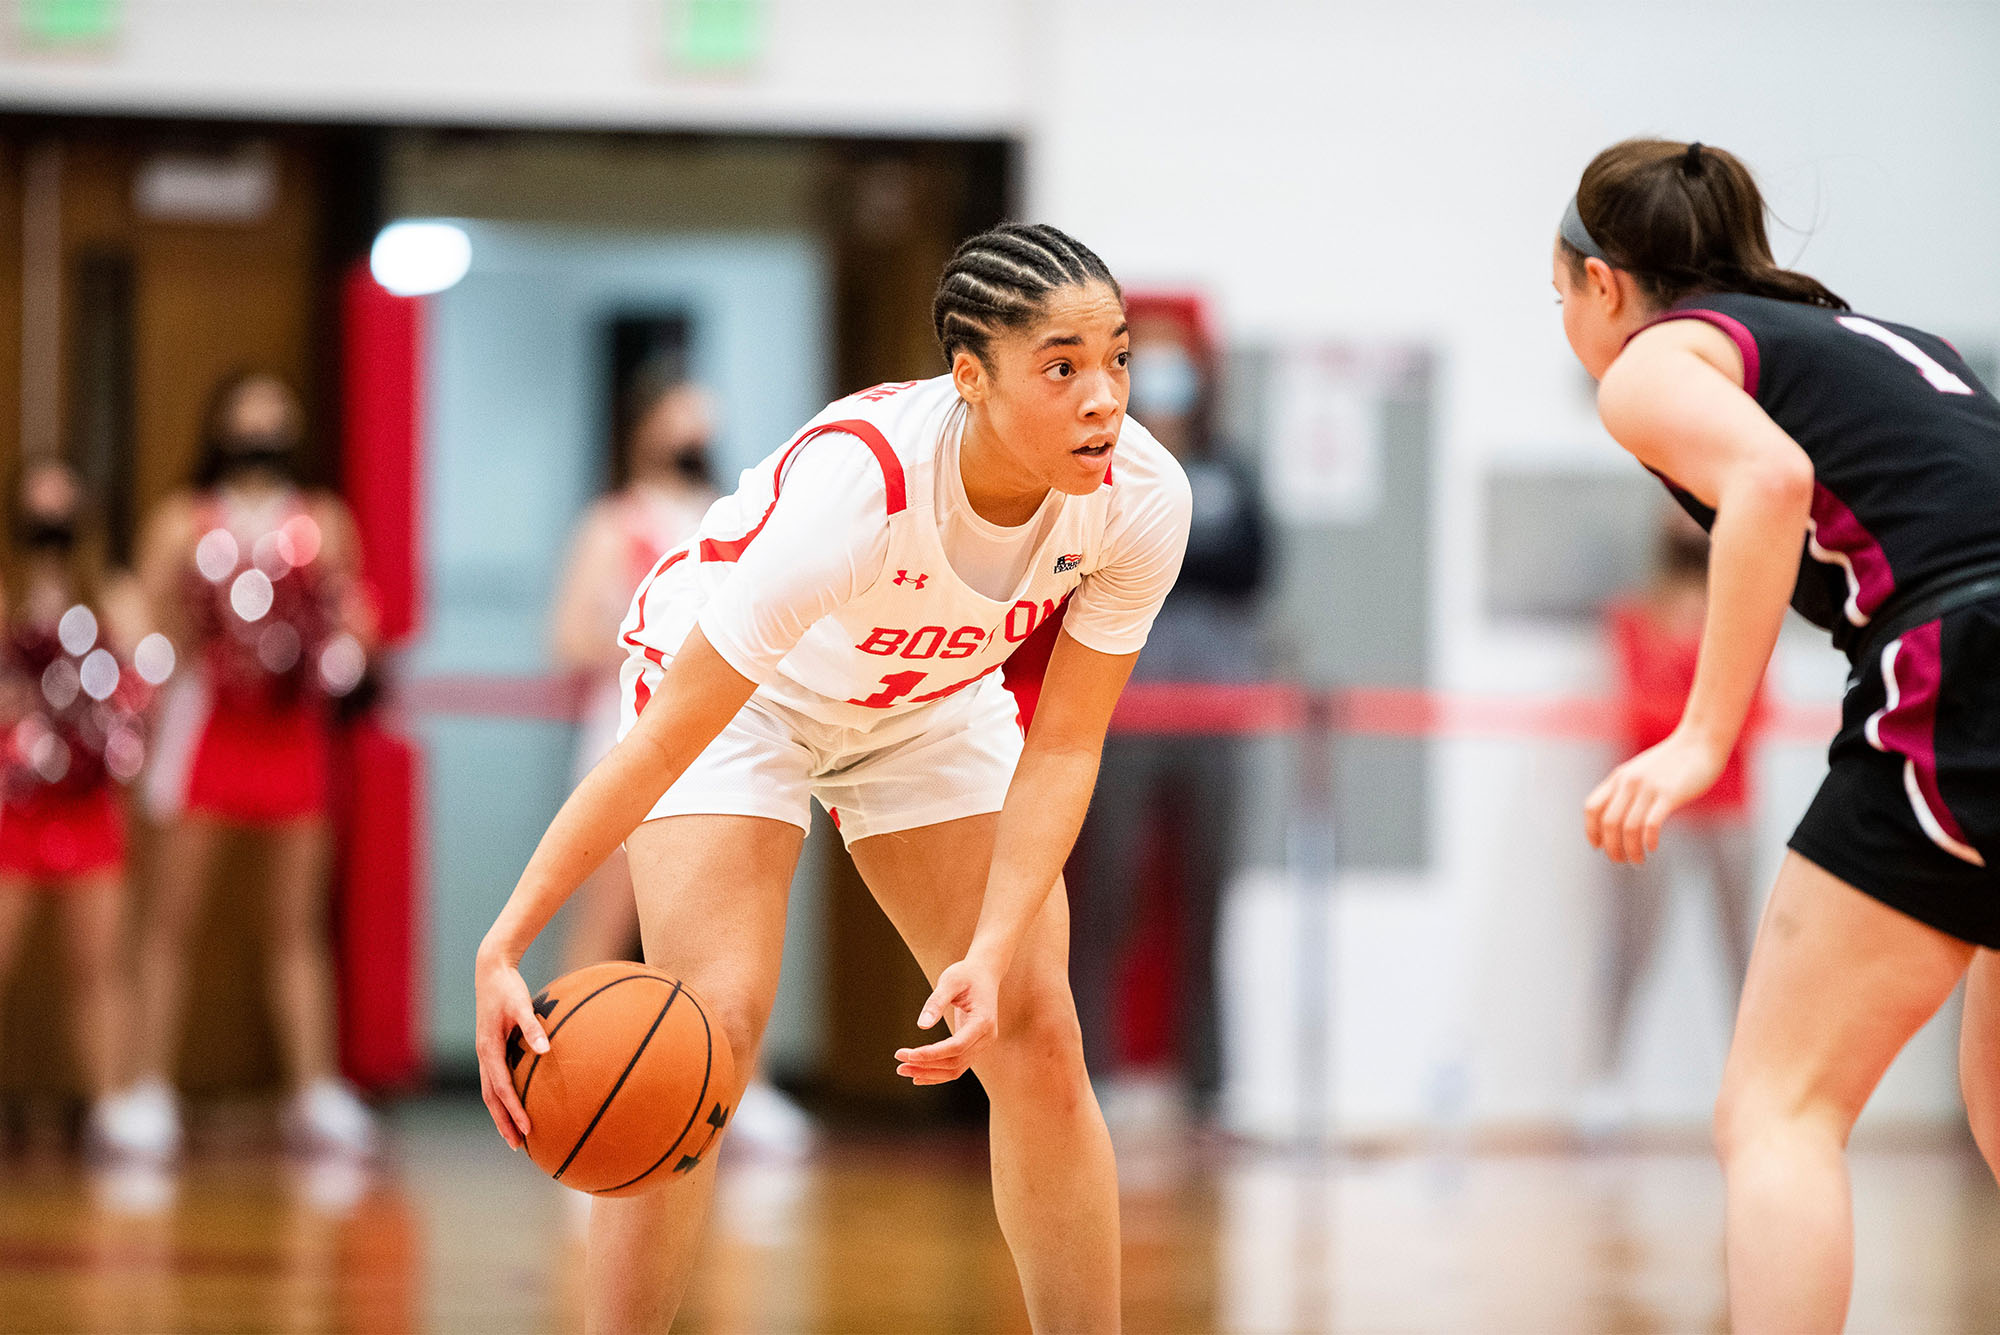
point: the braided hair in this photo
(1001, 279)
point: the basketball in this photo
(630, 1094)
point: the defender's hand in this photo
(968, 995)
(1624, 815)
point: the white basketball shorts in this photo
(942, 762)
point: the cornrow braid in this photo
(1001, 279)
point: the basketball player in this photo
(835, 630)
(1851, 466)
(256, 576)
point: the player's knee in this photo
(1040, 1047)
(1748, 1116)
(741, 1021)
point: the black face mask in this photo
(692, 465)
(48, 535)
(266, 453)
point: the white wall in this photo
(1397, 171)
(921, 66)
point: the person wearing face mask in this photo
(1183, 787)
(666, 492)
(255, 576)
(1655, 638)
(76, 670)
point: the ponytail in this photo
(1684, 218)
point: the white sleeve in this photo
(824, 542)
(1112, 611)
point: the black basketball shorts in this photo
(1910, 810)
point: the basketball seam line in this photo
(536, 1064)
(707, 1069)
(637, 1053)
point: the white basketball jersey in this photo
(919, 633)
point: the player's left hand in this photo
(968, 996)
(1623, 816)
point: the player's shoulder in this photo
(1145, 471)
(895, 408)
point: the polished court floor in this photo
(456, 1234)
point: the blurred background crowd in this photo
(356, 361)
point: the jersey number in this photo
(898, 685)
(1941, 379)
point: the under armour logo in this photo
(905, 577)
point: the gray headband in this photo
(1578, 236)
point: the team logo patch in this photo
(905, 577)
(1065, 564)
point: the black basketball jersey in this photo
(1904, 443)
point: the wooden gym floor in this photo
(456, 1234)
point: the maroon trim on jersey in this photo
(1844, 538)
(1739, 333)
(1907, 726)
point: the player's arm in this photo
(696, 697)
(1049, 793)
(1674, 401)
(1044, 809)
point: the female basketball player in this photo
(255, 576)
(834, 631)
(1852, 467)
(69, 737)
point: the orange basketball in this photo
(630, 1094)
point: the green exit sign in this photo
(714, 36)
(60, 23)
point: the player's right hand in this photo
(1625, 813)
(502, 1006)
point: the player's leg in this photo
(1838, 983)
(603, 916)
(187, 852)
(1055, 1183)
(92, 912)
(711, 895)
(1979, 1055)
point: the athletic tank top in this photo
(1904, 443)
(918, 634)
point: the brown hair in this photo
(1684, 218)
